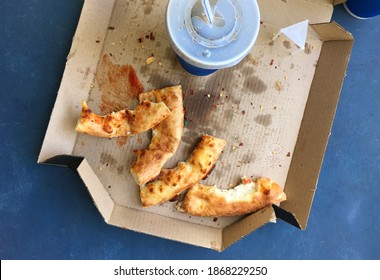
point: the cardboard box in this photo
(275, 109)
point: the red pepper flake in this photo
(140, 40)
(97, 41)
(151, 36)
(215, 219)
(214, 106)
(241, 145)
(111, 28)
(288, 154)
(247, 180)
(271, 62)
(243, 112)
(261, 22)
(147, 36)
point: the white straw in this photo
(208, 10)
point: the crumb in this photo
(271, 62)
(243, 112)
(288, 154)
(278, 86)
(261, 107)
(111, 28)
(150, 59)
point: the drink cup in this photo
(362, 9)
(203, 47)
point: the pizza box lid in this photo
(275, 109)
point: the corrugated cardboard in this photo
(275, 109)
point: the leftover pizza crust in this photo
(122, 123)
(248, 197)
(166, 136)
(171, 182)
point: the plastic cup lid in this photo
(219, 42)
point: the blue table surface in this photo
(47, 213)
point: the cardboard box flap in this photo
(332, 32)
(317, 121)
(79, 73)
(236, 231)
(288, 12)
(166, 227)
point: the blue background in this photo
(47, 213)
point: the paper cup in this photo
(203, 48)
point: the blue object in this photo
(193, 70)
(363, 9)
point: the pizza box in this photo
(275, 109)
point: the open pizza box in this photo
(275, 109)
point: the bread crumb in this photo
(150, 60)
(278, 86)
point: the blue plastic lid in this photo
(224, 43)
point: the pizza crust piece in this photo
(171, 182)
(246, 198)
(166, 136)
(122, 123)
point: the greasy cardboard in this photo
(275, 109)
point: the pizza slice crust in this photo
(171, 182)
(249, 197)
(166, 136)
(124, 122)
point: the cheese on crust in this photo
(166, 136)
(171, 182)
(245, 198)
(124, 122)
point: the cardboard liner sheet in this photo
(258, 107)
